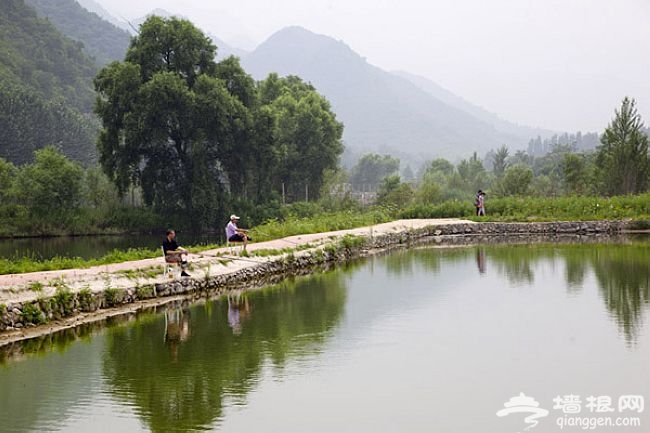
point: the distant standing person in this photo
(477, 201)
(234, 233)
(175, 253)
(481, 204)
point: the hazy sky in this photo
(558, 64)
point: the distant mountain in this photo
(225, 50)
(439, 92)
(45, 88)
(382, 112)
(96, 8)
(101, 39)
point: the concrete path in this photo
(16, 287)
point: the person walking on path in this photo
(480, 210)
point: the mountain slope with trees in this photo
(45, 86)
(102, 40)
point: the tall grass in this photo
(275, 229)
(528, 208)
(19, 265)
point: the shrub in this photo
(33, 314)
(85, 299)
(113, 297)
(145, 292)
(64, 300)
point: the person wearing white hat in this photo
(234, 233)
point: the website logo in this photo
(523, 404)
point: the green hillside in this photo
(102, 40)
(45, 88)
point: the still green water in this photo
(91, 247)
(422, 340)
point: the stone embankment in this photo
(64, 299)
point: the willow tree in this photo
(622, 159)
(197, 135)
(169, 119)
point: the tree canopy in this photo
(197, 135)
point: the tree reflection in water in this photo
(621, 268)
(183, 381)
(622, 273)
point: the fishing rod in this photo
(230, 257)
(269, 236)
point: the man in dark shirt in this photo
(174, 253)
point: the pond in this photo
(90, 247)
(423, 340)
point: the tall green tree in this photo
(622, 159)
(170, 124)
(308, 137)
(199, 136)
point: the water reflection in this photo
(622, 274)
(177, 329)
(480, 259)
(414, 336)
(39, 392)
(239, 310)
(209, 358)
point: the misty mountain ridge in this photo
(481, 113)
(382, 112)
(100, 11)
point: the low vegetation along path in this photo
(29, 286)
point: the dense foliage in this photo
(198, 136)
(45, 88)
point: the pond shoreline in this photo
(85, 297)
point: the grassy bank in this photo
(508, 209)
(540, 209)
(274, 229)
(28, 264)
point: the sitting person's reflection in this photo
(177, 329)
(238, 309)
(480, 260)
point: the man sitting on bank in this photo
(175, 253)
(234, 233)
